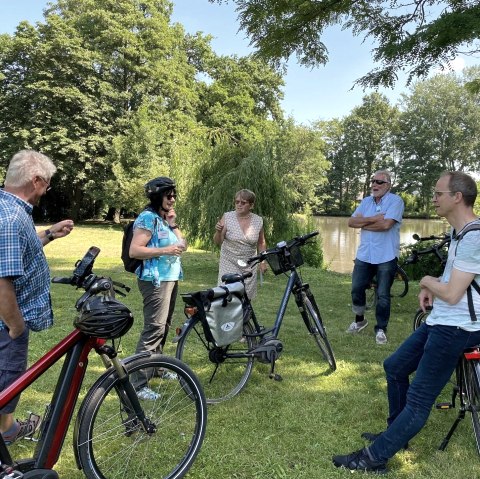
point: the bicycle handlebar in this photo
(435, 248)
(282, 246)
(431, 237)
(84, 278)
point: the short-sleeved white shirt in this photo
(463, 255)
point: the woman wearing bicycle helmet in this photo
(159, 243)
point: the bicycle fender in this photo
(181, 331)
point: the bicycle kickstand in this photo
(460, 416)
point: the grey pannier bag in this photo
(224, 313)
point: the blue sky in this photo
(310, 94)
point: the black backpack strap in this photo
(471, 308)
(473, 284)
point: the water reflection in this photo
(340, 242)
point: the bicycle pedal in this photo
(444, 405)
(30, 438)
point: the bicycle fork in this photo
(127, 394)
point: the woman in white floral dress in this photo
(241, 235)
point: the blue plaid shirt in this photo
(22, 260)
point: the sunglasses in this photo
(171, 197)
(378, 182)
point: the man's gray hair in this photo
(26, 165)
(385, 173)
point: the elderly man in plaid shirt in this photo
(24, 275)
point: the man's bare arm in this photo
(9, 310)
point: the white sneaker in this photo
(357, 327)
(169, 375)
(147, 394)
(381, 337)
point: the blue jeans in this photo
(433, 352)
(362, 276)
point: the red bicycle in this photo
(116, 434)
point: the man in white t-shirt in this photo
(432, 351)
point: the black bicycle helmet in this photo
(104, 317)
(159, 185)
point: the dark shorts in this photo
(13, 362)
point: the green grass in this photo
(271, 430)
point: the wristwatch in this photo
(49, 235)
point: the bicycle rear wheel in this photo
(420, 317)
(400, 284)
(112, 444)
(371, 297)
(471, 377)
(223, 372)
(313, 321)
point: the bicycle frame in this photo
(76, 347)
(294, 285)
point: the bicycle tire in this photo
(222, 377)
(315, 327)
(420, 317)
(471, 377)
(112, 445)
(370, 298)
(400, 284)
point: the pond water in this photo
(340, 242)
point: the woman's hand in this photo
(219, 226)
(172, 250)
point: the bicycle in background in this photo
(400, 283)
(224, 369)
(116, 435)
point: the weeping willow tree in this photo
(224, 170)
(268, 168)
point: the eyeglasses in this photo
(437, 194)
(171, 197)
(46, 182)
(378, 182)
(241, 202)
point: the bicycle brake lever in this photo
(123, 286)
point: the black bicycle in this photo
(398, 289)
(224, 370)
(400, 284)
(440, 250)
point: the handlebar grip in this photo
(60, 280)
(309, 235)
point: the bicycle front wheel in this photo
(313, 321)
(223, 372)
(400, 284)
(113, 444)
(471, 376)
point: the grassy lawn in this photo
(271, 430)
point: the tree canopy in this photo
(410, 36)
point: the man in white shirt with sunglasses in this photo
(378, 217)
